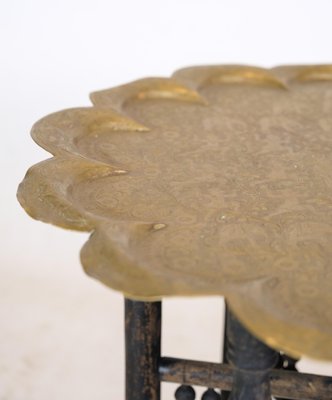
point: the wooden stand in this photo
(247, 374)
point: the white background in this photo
(61, 332)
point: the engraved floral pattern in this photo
(216, 181)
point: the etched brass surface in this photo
(216, 181)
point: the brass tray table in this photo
(216, 181)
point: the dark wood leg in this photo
(224, 393)
(252, 361)
(142, 338)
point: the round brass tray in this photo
(217, 181)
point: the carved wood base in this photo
(248, 373)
